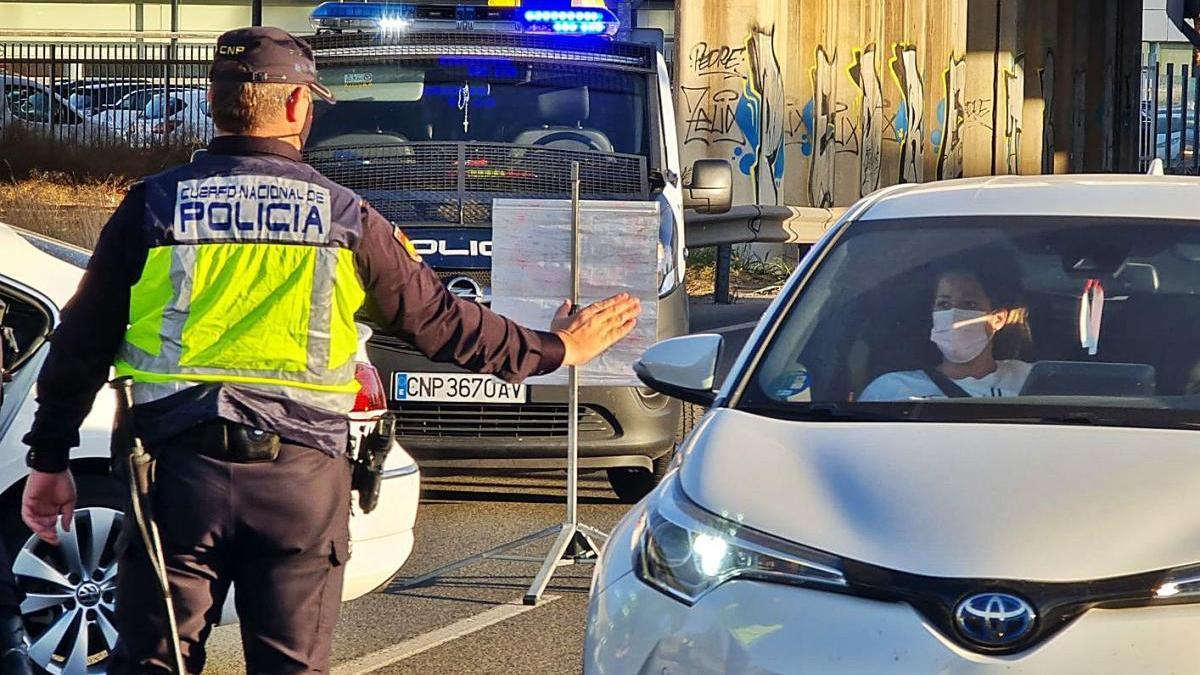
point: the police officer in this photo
(227, 289)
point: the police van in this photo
(444, 108)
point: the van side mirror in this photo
(711, 187)
(684, 367)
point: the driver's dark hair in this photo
(994, 267)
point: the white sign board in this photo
(531, 271)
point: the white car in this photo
(33, 106)
(34, 285)
(175, 117)
(962, 440)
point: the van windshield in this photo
(561, 106)
(1084, 320)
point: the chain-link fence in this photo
(131, 93)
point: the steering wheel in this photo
(569, 137)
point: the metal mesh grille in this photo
(538, 47)
(496, 421)
(481, 277)
(432, 182)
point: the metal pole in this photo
(256, 12)
(174, 16)
(721, 292)
(573, 373)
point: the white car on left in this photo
(34, 107)
(69, 607)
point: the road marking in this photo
(411, 647)
(731, 329)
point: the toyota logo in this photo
(994, 619)
(466, 288)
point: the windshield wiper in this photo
(822, 412)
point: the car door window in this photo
(29, 104)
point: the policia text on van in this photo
(241, 340)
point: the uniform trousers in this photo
(277, 531)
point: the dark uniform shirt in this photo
(404, 297)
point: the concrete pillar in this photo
(730, 91)
(1037, 142)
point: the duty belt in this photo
(232, 442)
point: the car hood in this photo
(1032, 502)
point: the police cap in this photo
(268, 55)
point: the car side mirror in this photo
(684, 367)
(711, 187)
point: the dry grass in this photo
(67, 190)
(749, 274)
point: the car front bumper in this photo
(760, 628)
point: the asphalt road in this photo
(472, 621)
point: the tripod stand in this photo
(574, 542)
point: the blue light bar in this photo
(571, 21)
(397, 17)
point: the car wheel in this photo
(70, 589)
(633, 483)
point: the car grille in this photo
(445, 182)
(496, 421)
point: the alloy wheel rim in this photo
(70, 591)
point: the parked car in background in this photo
(91, 97)
(176, 117)
(69, 606)
(122, 113)
(847, 507)
(28, 103)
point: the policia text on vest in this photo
(224, 207)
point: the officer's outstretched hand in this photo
(48, 495)
(596, 327)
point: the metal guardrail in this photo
(758, 224)
(754, 224)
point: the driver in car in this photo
(965, 322)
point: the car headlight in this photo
(685, 551)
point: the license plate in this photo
(454, 388)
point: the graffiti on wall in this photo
(710, 106)
(864, 72)
(734, 99)
(1046, 76)
(823, 130)
(1014, 101)
(948, 138)
(760, 116)
(910, 117)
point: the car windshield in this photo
(1084, 320)
(451, 100)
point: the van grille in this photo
(437, 182)
(496, 421)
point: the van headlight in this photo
(685, 551)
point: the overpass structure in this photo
(819, 102)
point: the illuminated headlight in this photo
(686, 552)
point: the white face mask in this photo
(959, 345)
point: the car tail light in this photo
(371, 395)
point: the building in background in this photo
(1162, 41)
